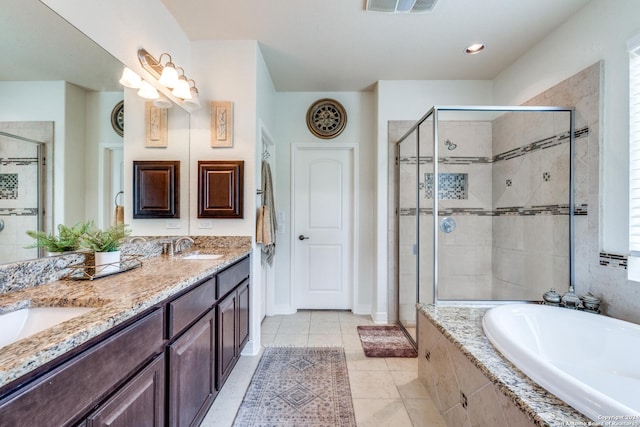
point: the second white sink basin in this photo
(203, 256)
(23, 323)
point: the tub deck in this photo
(462, 325)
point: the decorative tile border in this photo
(613, 260)
(18, 211)
(18, 161)
(542, 144)
(507, 211)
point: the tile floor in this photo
(385, 392)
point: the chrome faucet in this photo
(570, 299)
(178, 243)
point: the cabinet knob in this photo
(303, 237)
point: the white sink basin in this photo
(203, 256)
(20, 324)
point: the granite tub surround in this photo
(115, 298)
(471, 383)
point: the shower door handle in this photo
(303, 237)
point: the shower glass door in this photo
(407, 232)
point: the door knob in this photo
(302, 237)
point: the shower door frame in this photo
(433, 113)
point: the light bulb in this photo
(147, 91)
(169, 76)
(194, 101)
(163, 102)
(182, 89)
(130, 79)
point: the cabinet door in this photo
(227, 337)
(243, 314)
(139, 403)
(192, 373)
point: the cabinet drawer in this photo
(187, 308)
(70, 390)
(232, 276)
(139, 403)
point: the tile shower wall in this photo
(531, 198)
(18, 197)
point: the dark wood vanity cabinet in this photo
(65, 393)
(227, 336)
(163, 368)
(204, 333)
(139, 403)
(192, 369)
(233, 317)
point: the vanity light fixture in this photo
(147, 91)
(130, 79)
(182, 89)
(165, 75)
(194, 101)
(474, 48)
(169, 75)
(163, 102)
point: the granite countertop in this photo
(462, 325)
(116, 298)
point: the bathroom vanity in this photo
(155, 351)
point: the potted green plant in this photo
(106, 245)
(67, 239)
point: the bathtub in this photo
(588, 360)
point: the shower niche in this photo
(504, 180)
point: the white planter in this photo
(107, 263)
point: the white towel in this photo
(266, 223)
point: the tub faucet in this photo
(570, 299)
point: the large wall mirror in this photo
(61, 156)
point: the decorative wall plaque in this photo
(155, 125)
(221, 124)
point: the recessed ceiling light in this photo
(474, 48)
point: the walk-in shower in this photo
(21, 195)
(503, 202)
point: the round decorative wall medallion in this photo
(117, 118)
(326, 118)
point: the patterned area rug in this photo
(385, 341)
(298, 386)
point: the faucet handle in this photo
(168, 248)
(551, 297)
(591, 302)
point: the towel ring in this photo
(115, 200)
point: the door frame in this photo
(355, 182)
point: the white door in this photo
(323, 191)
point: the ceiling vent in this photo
(401, 6)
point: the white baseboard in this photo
(362, 309)
(281, 309)
(252, 348)
(381, 317)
